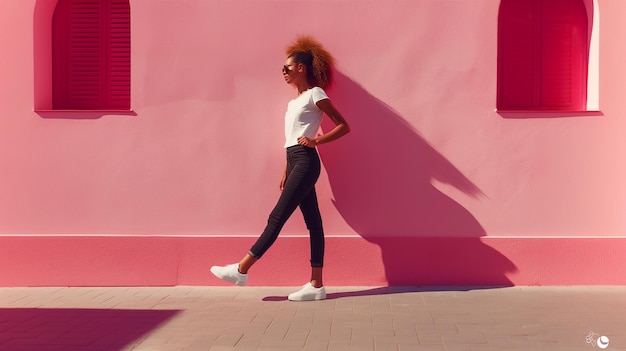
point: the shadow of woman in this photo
(381, 177)
(385, 290)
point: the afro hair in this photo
(306, 50)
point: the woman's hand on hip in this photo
(304, 141)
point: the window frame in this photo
(536, 33)
(104, 46)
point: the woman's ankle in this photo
(316, 284)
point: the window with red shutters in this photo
(542, 55)
(91, 55)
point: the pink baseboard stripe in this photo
(350, 261)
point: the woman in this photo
(308, 68)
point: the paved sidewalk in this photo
(352, 318)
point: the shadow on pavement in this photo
(388, 290)
(45, 329)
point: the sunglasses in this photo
(286, 68)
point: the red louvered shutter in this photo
(542, 63)
(91, 55)
(61, 55)
(118, 80)
(564, 55)
(517, 54)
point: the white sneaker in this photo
(308, 293)
(230, 273)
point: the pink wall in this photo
(429, 168)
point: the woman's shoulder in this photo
(317, 89)
(318, 94)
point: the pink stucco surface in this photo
(430, 176)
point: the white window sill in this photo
(546, 113)
(82, 114)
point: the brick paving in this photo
(352, 318)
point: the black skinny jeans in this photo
(303, 169)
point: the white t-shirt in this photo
(303, 117)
